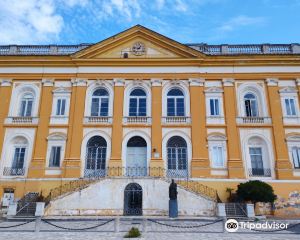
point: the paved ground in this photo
(160, 229)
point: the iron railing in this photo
(135, 172)
(12, 171)
(259, 172)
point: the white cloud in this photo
(180, 6)
(240, 21)
(30, 21)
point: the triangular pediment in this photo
(138, 42)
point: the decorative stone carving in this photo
(48, 82)
(119, 82)
(156, 82)
(298, 81)
(197, 82)
(5, 82)
(228, 82)
(214, 90)
(272, 82)
(288, 90)
(79, 82)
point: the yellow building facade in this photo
(139, 104)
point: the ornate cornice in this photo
(156, 82)
(119, 82)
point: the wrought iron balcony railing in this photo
(96, 119)
(10, 171)
(176, 120)
(137, 119)
(259, 172)
(254, 120)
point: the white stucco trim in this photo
(258, 91)
(129, 87)
(19, 89)
(187, 139)
(268, 155)
(183, 85)
(9, 145)
(85, 140)
(92, 86)
(135, 133)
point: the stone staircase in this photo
(26, 206)
(236, 210)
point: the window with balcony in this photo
(137, 103)
(99, 107)
(250, 102)
(290, 109)
(175, 103)
(26, 105)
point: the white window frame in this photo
(60, 93)
(293, 141)
(55, 140)
(290, 93)
(214, 93)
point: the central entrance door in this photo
(133, 200)
(136, 159)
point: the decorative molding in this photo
(214, 90)
(5, 82)
(101, 82)
(196, 82)
(61, 90)
(272, 82)
(156, 82)
(288, 90)
(48, 82)
(228, 82)
(119, 82)
(298, 81)
(79, 82)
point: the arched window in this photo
(251, 108)
(100, 100)
(95, 157)
(175, 103)
(259, 157)
(26, 105)
(137, 103)
(18, 157)
(177, 157)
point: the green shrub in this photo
(256, 191)
(133, 233)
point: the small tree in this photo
(256, 191)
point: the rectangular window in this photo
(180, 107)
(104, 107)
(95, 107)
(171, 106)
(133, 107)
(142, 107)
(55, 156)
(256, 161)
(26, 107)
(60, 107)
(19, 157)
(296, 157)
(290, 107)
(214, 107)
(218, 156)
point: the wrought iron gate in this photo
(133, 200)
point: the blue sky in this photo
(187, 21)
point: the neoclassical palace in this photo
(139, 102)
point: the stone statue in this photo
(173, 190)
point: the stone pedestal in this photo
(173, 208)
